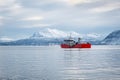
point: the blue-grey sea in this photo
(101, 62)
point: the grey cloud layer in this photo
(61, 14)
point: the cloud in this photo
(32, 18)
(36, 26)
(75, 2)
(78, 2)
(6, 39)
(6, 2)
(78, 15)
(10, 7)
(106, 7)
(15, 9)
(1, 20)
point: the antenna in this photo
(70, 36)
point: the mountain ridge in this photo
(112, 39)
(54, 36)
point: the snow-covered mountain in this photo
(112, 39)
(55, 33)
(48, 36)
(36, 35)
(54, 36)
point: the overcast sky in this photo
(21, 18)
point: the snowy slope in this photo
(48, 36)
(113, 38)
(55, 33)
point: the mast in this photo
(79, 40)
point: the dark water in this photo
(54, 63)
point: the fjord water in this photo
(54, 63)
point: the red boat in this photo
(72, 44)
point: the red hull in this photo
(81, 45)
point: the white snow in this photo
(55, 33)
(113, 38)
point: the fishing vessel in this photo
(70, 43)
